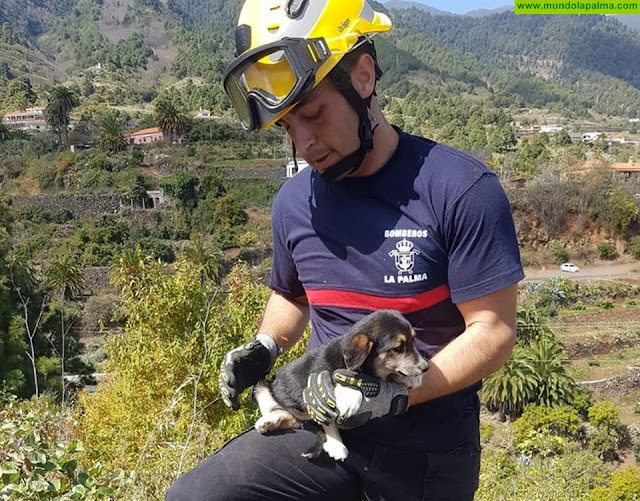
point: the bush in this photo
(563, 421)
(607, 251)
(582, 402)
(635, 247)
(604, 442)
(604, 414)
(39, 459)
(165, 365)
(559, 252)
(624, 486)
(561, 478)
(636, 452)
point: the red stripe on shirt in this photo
(407, 304)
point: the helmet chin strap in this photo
(366, 126)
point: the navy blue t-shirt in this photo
(430, 229)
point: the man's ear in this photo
(363, 75)
(357, 350)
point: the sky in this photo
(462, 6)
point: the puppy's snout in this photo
(422, 364)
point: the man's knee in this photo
(201, 485)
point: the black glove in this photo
(381, 398)
(244, 366)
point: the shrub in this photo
(635, 247)
(563, 421)
(604, 442)
(39, 459)
(486, 432)
(636, 452)
(623, 486)
(165, 366)
(582, 402)
(604, 414)
(559, 252)
(607, 251)
(561, 478)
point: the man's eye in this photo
(282, 124)
(314, 116)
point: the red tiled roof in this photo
(144, 132)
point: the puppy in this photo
(381, 345)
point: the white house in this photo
(588, 137)
(550, 129)
(291, 167)
(29, 119)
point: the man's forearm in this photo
(285, 320)
(470, 357)
(479, 351)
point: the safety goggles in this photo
(264, 81)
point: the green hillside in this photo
(576, 63)
(130, 51)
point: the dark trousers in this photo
(269, 467)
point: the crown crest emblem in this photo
(404, 245)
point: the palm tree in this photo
(209, 259)
(5, 133)
(534, 374)
(169, 117)
(111, 132)
(61, 101)
(554, 386)
(531, 326)
(65, 276)
(512, 387)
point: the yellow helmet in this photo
(284, 48)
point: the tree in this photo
(5, 132)
(65, 276)
(111, 133)
(531, 326)
(207, 258)
(61, 101)
(510, 389)
(170, 118)
(19, 94)
(536, 372)
(562, 138)
(554, 384)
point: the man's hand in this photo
(244, 366)
(380, 398)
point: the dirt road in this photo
(604, 270)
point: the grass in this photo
(605, 365)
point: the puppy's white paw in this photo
(348, 400)
(265, 424)
(335, 449)
(276, 420)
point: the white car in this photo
(569, 267)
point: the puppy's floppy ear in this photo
(357, 350)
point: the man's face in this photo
(323, 127)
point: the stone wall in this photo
(617, 386)
(79, 206)
(275, 173)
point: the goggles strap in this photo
(366, 126)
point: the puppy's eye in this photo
(399, 349)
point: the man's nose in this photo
(302, 137)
